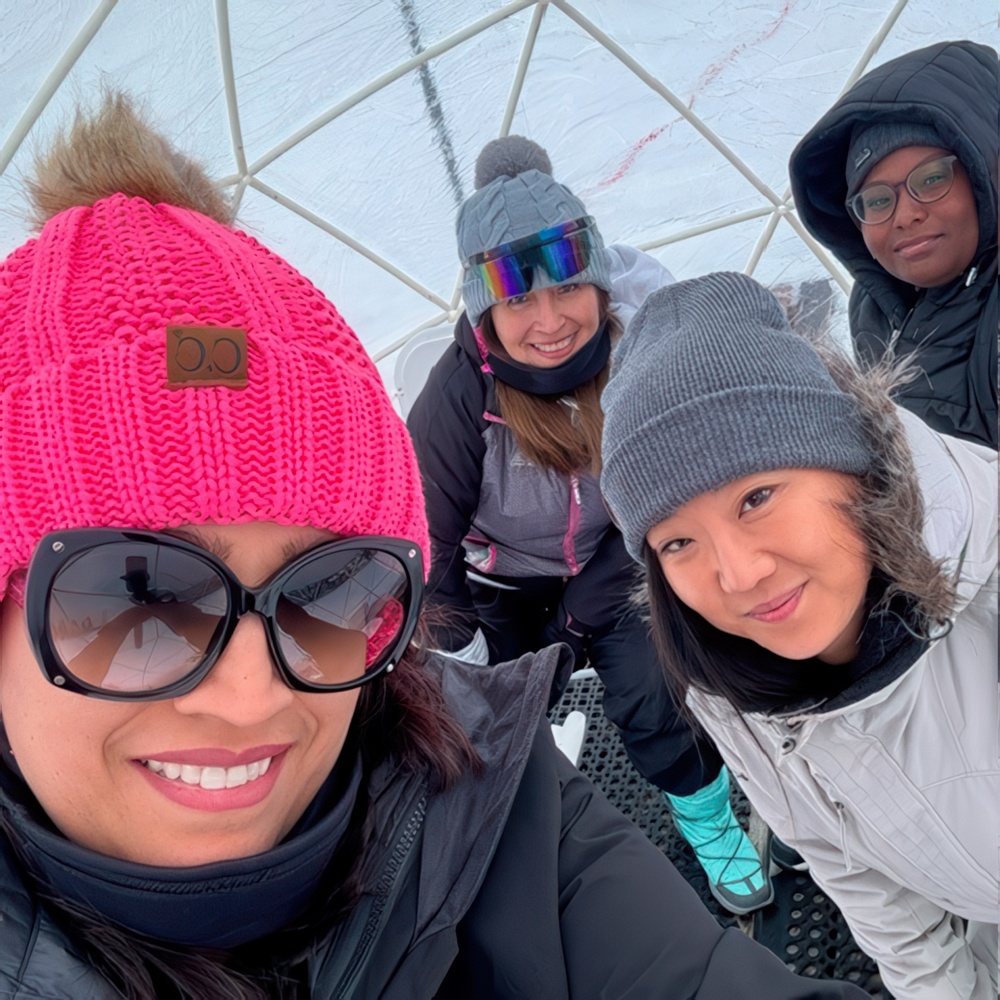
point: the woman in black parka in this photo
(914, 144)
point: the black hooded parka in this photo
(950, 330)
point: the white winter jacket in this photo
(894, 800)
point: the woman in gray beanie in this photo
(508, 435)
(822, 577)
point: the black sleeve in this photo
(447, 424)
(632, 923)
(579, 903)
(602, 592)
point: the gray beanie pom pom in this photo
(509, 156)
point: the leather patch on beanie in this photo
(206, 356)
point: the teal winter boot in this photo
(707, 822)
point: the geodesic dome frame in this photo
(347, 132)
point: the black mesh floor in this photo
(801, 926)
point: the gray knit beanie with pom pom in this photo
(516, 196)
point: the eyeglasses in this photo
(141, 616)
(927, 182)
(561, 251)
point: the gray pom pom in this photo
(509, 156)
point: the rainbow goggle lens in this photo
(561, 252)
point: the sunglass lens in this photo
(342, 614)
(135, 617)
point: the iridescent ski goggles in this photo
(927, 182)
(561, 251)
(141, 616)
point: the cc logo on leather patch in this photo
(206, 356)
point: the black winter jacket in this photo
(522, 883)
(951, 329)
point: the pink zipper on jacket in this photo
(569, 546)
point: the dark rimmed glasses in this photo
(927, 182)
(141, 616)
(561, 251)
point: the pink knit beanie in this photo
(116, 410)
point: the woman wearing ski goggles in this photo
(508, 434)
(225, 768)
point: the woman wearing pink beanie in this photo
(226, 771)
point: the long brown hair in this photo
(560, 432)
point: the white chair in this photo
(569, 736)
(414, 362)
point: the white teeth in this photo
(210, 778)
(234, 776)
(557, 346)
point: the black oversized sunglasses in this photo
(141, 615)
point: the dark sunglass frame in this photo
(54, 551)
(905, 182)
(528, 250)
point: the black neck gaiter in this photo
(583, 366)
(220, 905)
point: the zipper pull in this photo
(575, 484)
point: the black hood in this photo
(466, 339)
(951, 86)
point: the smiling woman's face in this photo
(926, 244)
(771, 558)
(547, 326)
(88, 761)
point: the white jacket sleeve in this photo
(634, 275)
(921, 949)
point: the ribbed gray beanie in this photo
(516, 197)
(710, 384)
(871, 143)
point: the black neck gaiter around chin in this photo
(581, 367)
(220, 905)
